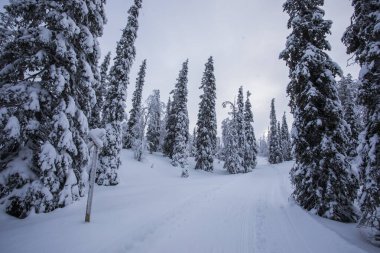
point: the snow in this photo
(71, 107)
(48, 157)
(12, 127)
(153, 209)
(97, 136)
(45, 34)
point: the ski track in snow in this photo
(153, 209)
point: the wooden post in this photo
(92, 182)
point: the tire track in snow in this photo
(176, 216)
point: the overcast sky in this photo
(245, 38)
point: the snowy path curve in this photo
(154, 210)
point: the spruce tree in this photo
(280, 140)
(165, 129)
(275, 152)
(139, 142)
(128, 138)
(48, 71)
(362, 39)
(322, 177)
(114, 106)
(285, 140)
(170, 129)
(154, 122)
(181, 130)
(350, 112)
(8, 28)
(101, 92)
(233, 162)
(239, 117)
(250, 153)
(225, 124)
(206, 124)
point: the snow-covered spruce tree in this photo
(114, 105)
(170, 124)
(280, 140)
(206, 124)
(128, 137)
(362, 38)
(181, 130)
(322, 176)
(101, 92)
(154, 121)
(225, 124)
(350, 112)
(47, 74)
(164, 120)
(250, 153)
(139, 142)
(233, 162)
(285, 140)
(8, 28)
(239, 117)
(275, 152)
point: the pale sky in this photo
(245, 38)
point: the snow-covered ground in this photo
(153, 209)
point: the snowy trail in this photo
(249, 214)
(154, 210)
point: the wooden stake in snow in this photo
(96, 142)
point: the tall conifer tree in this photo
(321, 175)
(239, 123)
(362, 38)
(275, 152)
(250, 153)
(48, 71)
(233, 162)
(167, 146)
(128, 137)
(285, 140)
(206, 125)
(154, 122)
(114, 107)
(350, 112)
(101, 93)
(181, 130)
